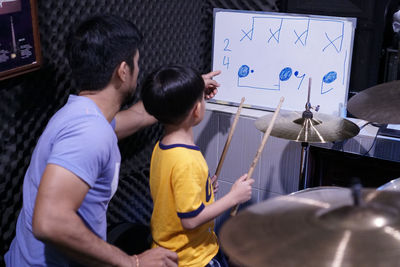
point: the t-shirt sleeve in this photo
(186, 181)
(113, 123)
(83, 148)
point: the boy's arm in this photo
(240, 192)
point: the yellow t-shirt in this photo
(180, 186)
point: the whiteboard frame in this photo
(352, 20)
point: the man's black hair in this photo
(98, 46)
(171, 92)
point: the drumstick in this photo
(228, 140)
(260, 149)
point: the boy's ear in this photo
(123, 71)
(197, 109)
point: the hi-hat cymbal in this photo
(317, 228)
(378, 104)
(321, 128)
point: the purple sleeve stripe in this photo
(191, 214)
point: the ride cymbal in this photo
(320, 228)
(378, 104)
(321, 128)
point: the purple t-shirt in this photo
(80, 139)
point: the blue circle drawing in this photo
(285, 74)
(296, 73)
(330, 77)
(243, 71)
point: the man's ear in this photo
(123, 71)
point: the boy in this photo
(181, 188)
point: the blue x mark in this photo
(299, 37)
(331, 42)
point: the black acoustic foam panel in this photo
(175, 31)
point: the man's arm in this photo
(56, 221)
(135, 118)
(210, 85)
(240, 192)
(131, 120)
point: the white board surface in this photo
(265, 55)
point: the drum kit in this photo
(326, 225)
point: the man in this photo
(74, 169)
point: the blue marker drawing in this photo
(273, 34)
(328, 78)
(243, 71)
(243, 74)
(225, 62)
(344, 66)
(304, 33)
(251, 32)
(332, 42)
(296, 74)
(226, 41)
(302, 37)
(285, 74)
(282, 32)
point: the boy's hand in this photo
(214, 182)
(210, 85)
(241, 189)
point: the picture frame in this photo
(20, 50)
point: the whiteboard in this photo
(265, 55)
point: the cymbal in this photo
(391, 185)
(320, 228)
(321, 128)
(320, 191)
(378, 104)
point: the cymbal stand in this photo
(307, 122)
(303, 183)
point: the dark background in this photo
(175, 31)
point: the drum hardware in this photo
(308, 127)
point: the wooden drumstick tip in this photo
(259, 151)
(228, 140)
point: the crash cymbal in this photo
(320, 192)
(317, 228)
(321, 128)
(391, 185)
(378, 104)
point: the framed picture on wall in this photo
(19, 38)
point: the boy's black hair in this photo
(171, 92)
(98, 46)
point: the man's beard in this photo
(129, 97)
